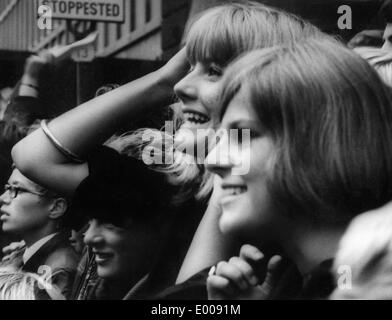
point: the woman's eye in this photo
(214, 71)
(245, 135)
(191, 68)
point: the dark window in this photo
(148, 10)
(119, 30)
(106, 35)
(132, 18)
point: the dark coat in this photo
(62, 260)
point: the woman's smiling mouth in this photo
(102, 257)
(231, 191)
(195, 117)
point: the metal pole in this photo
(78, 88)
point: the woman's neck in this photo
(311, 245)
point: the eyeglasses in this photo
(13, 191)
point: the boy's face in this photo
(26, 212)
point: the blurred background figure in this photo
(5, 95)
(20, 285)
(380, 59)
(363, 264)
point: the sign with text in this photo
(99, 10)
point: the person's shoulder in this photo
(192, 289)
(63, 258)
(62, 255)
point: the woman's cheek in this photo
(210, 100)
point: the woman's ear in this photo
(58, 208)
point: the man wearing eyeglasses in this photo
(35, 214)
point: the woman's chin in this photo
(229, 225)
(105, 272)
(193, 141)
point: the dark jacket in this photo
(62, 260)
(86, 277)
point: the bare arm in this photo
(89, 125)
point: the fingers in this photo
(245, 269)
(238, 278)
(274, 262)
(251, 253)
(232, 273)
(8, 249)
(255, 258)
(219, 288)
(6, 258)
(239, 270)
(273, 271)
(14, 246)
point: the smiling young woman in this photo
(319, 155)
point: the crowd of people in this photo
(294, 205)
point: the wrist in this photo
(163, 85)
(163, 81)
(28, 87)
(32, 86)
(30, 81)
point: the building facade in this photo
(149, 32)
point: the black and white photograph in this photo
(195, 150)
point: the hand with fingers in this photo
(12, 249)
(36, 63)
(238, 278)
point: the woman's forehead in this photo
(211, 42)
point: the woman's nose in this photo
(186, 88)
(93, 235)
(219, 159)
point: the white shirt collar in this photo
(30, 251)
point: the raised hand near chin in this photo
(238, 279)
